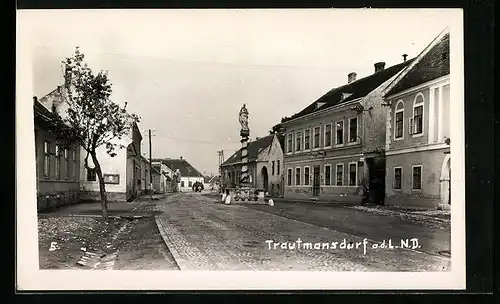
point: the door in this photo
(316, 181)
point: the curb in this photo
(170, 246)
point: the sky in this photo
(187, 73)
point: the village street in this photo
(204, 234)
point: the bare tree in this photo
(92, 120)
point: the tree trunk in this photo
(102, 189)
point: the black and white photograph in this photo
(227, 149)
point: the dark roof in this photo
(358, 89)
(41, 113)
(184, 167)
(433, 63)
(254, 147)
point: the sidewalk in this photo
(437, 215)
(115, 209)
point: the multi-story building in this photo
(57, 165)
(418, 130)
(337, 143)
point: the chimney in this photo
(67, 77)
(35, 99)
(404, 57)
(181, 158)
(379, 66)
(351, 77)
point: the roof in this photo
(254, 147)
(184, 166)
(433, 62)
(358, 89)
(41, 113)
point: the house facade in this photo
(265, 159)
(417, 143)
(337, 143)
(183, 173)
(57, 165)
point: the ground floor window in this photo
(417, 178)
(327, 175)
(340, 174)
(353, 171)
(190, 184)
(289, 177)
(297, 176)
(91, 176)
(182, 183)
(306, 176)
(398, 175)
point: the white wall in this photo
(187, 180)
(109, 165)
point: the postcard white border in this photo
(29, 277)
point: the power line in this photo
(229, 64)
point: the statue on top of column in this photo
(244, 119)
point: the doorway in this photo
(376, 179)
(265, 179)
(445, 180)
(316, 181)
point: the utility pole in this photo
(150, 167)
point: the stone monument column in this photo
(244, 133)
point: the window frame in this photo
(74, 166)
(412, 177)
(337, 135)
(417, 104)
(289, 177)
(394, 178)
(289, 143)
(299, 171)
(307, 180)
(396, 111)
(46, 159)
(309, 140)
(272, 170)
(94, 174)
(356, 176)
(325, 137)
(278, 167)
(66, 163)
(58, 162)
(337, 174)
(349, 130)
(314, 138)
(330, 174)
(298, 140)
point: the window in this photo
(418, 113)
(327, 175)
(182, 184)
(399, 120)
(353, 174)
(73, 167)
(417, 178)
(328, 135)
(46, 159)
(278, 167)
(307, 139)
(58, 162)
(298, 140)
(91, 175)
(339, 127)
(289, 177)
(289, 143)
(398, 175)
(297, 176)
(340, 174)
(190, 184)
(316, 137)
(66, 163)
(306, 176)
(272, 170)
(353, 129)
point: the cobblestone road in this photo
(204, 235)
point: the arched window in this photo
(417, 120)
(399, 114)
